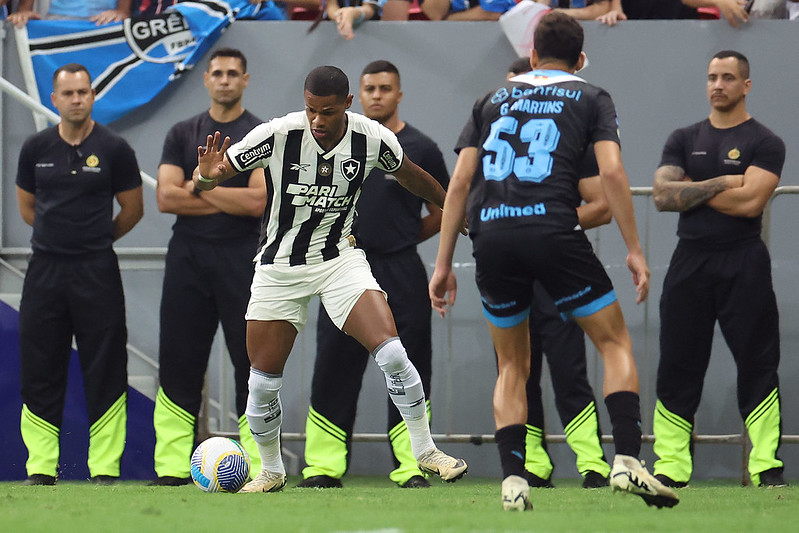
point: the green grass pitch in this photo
(374, 504)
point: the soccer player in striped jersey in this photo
(315, 163)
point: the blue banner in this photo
(132, 61)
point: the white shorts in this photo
(282, 292)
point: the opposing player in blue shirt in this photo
(517, 169)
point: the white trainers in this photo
(516, 494)
(629, 475)
(265, 481)
(448, 468)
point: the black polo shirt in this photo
(75, 187)
(180, 149)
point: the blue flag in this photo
(132, 61)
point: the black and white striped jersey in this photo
(311, 193)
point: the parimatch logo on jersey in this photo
(322, 198)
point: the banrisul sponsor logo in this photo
(259, 151)
(160, 38)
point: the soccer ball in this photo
(220, 464)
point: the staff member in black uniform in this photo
(208, 269)
(719, 174)
(518, 169)
(388, 226)
(67, 178)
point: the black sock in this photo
(625, 417)
(510, 441)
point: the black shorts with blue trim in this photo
(508, 262)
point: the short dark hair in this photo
(520, 66)
(326, 81)
(72, 68)
(743, 62)
(229, 52)
(560, 37)
(381, 65)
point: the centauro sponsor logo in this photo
(322, 198)
(260, 151)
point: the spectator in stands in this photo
(290, 8)
(101, 12)
(606, 11)
(148, 8)
(770, 9)
(732, 10)
(349, 14)
(396, 10)
(266, 10)
(466, 9)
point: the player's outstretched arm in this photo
(620, 200)
(443, 286)
(212, 166)
(420, 182)
(674, 191)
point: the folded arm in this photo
(750, 199)
(674, 191)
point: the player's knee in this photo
(390, 356)
(264, 387)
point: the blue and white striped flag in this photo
(130, 61)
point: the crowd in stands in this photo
(349, 14)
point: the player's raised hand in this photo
(443, 288)
(211, 157)
(637, 265)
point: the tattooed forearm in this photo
(673, 192)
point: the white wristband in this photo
(204, 180)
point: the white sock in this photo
(264, 414)
(405, 390)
